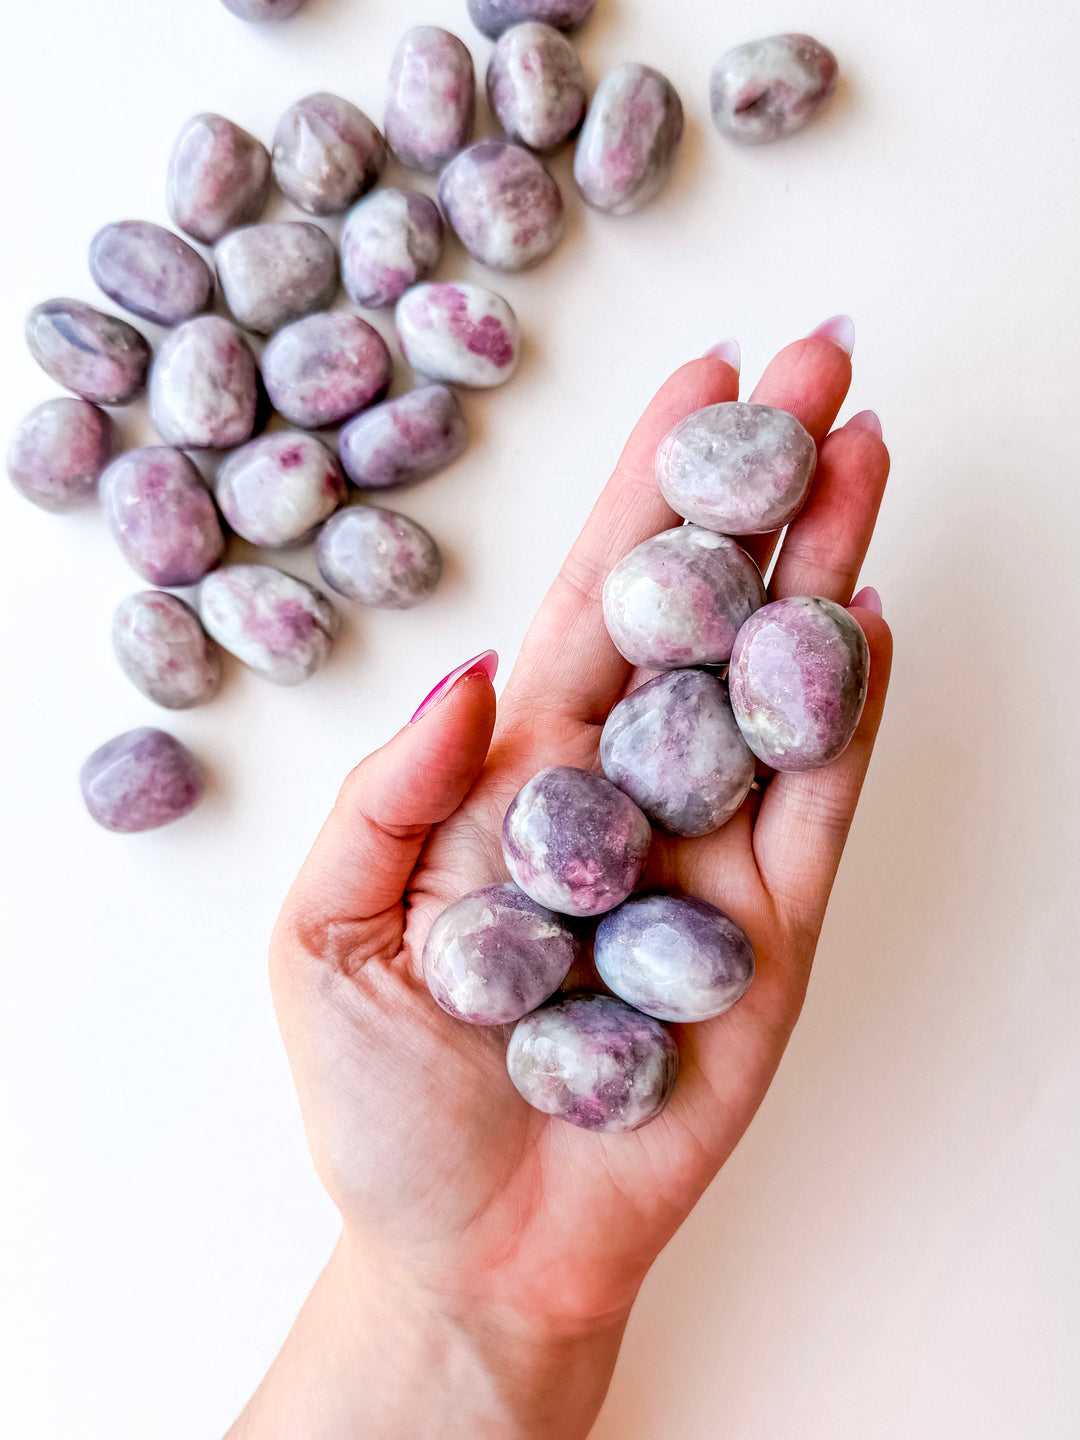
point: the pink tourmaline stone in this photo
(142, 779)
(432, 104)
(770, 88)
(58, 451)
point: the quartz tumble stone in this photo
(627, 147)
(493, 17)
(595, 1062)
(459, 334)
(58, 451)
(327, 153)
(505, 208)
(405, 439)
(495, 955)
(378, 557)
(164, 650)
(273, 623)
(770, 88)
(274, 274)
(162, 515)
(391, 241)
(263, 9)
(536, 86)
(99, 357)
(274, 491)
(150, 271)
(326, 368)
(432, 105)
(203, 386)
(219, 177)
(142, 779)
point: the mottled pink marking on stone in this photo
(486, 337)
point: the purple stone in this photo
(272, 622)
(673, 746)
(503, 205)
(679, 598)
(627, 147)
(150, 271)
(536, 86)
(494, 955)
(798, 678)
(327, 153)
(323, 369)
(389, 242)
(404, 440)
(770, 88)
(274, 274)
(101, 358)
(462, 334)
(493, 17)
(139, 781)
(432, 104)
(219, 176)
(263, 9)
(274, 491)
(593, 1061)
(58, 451)
(378, 557)
(162, 515)
(203, 386)
(164, 650)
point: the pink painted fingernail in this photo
(867, 599)
(729, 352)
(840, 330)
(865, 420)
(486, 663)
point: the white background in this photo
(893, 1251)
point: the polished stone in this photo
(493, 17)
(275, 624)
(391, 241)
(627, 146)
(58, 451)
(326, 154)
(503, 205)
(219, 178)
(98, 357)
(405, 439)
(432, 104)
(770, 88)
(378, 557)
(459, 334)
(164, 650)
(150, 271)
(162, 515)
(274, 274)
(536, 86)
(139, 781)
(326, 368)
(276, 490)
(203, 386)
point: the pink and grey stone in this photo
(325, 368)
(150, 271)
(219, 178)
(432, 104)
(674, 747)
(459, 334)
(405, 439)
(378, 557)
(100, 358)
(737, 468)
(58, 451)
(798, 679)
(574, 842)
(505, 208)
(326, 154)
(263, 9)
(277, 625)
(770, 88)
(679, 598)
(273, 274)
(536, 86)
(629, 141)
(595, 1062)
(495, 955)
(203, 386)
(164, 650)
(162, 515)
(139, 781)
(493, 17)
(390, 241)
(276, 490)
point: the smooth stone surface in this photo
(164, 650)
(493, 17)
(494, 955)
(326, 154)
(218, 178)
(325, 368)
(389, 242)
(58, 451)
(628, 143)
(101, 358)
(595, 1062)
(736, 468)
(461, 334)
(536, 86)
(142, 779)
(405, 439)
(674, 747)
(679, 598)
(162, 515)
(770, 88)
(432, 104)
(272, 622)
(798, 678)
(502, 204)
(150, 271)
(573, 842)
(275, 490)
(378, 557)
(203, 386)
(263, 9)
(273, 274)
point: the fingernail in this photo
(865, 420)
(867, 599)
(729, 352)
(486, 663)
(840, 330)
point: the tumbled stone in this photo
(164, 650)
(679, 598)
(390, 241)
(273, 274)
(99, 357)
(150, 271)
(673, 746)
(263, 9)
(272, 622)
(219, 177)
(536, 86)
(142, 779)
(461, 334)
(327, 153)
(404, 440)
(770, 88)
(595, 1062)
(274, 491)
(432, 104)
(627, 146)
(58, 451)
(798, 679)
(203, 386)
(493, 17)
(162, 515)
(378, 557)
(325, 368)
(505, 208)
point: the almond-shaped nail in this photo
(865, 420)
(867, 599)
(840, 329)
(729, 352)
(486, 663)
